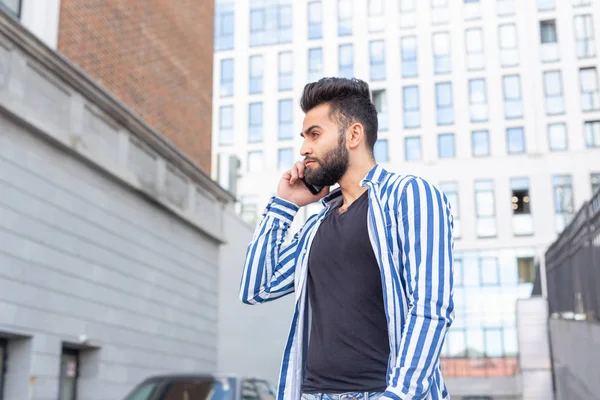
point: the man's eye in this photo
(314, 133)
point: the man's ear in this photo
(355, 135)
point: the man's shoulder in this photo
(399, 181)
(395, 186)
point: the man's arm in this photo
(425, 231)
(269, 266)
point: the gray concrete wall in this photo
(81, 254)
(109, 237)
(251, 338)
(534, 349)
(576, 358)
(498, 388)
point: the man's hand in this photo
(292, 189)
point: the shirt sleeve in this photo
(425, 231)
(270, 265)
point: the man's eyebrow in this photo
(309, 129)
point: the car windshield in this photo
(223, 389)
(143, 391)
(218, 389)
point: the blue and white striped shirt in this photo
(410, 227)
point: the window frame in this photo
(280, 122)
(588, 41)
(344, 67)
(550, 96)
(523, 148)
(418, 140)
(594, 93)
(314, 26)
(444, 107)
(227, 127)
(472, 54)
(439, 57)
(549, 136)
(255, 125)
(284, 150)
(385, 144)
(253, 77)
(487, 136)
(285, 75)
(416, 109)
(512, 100)
(73, 352)
(452, 141)
(375, 62)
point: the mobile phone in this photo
(314, 189)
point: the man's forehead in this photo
(320, 113)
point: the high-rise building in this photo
(495, 101)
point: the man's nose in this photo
(305, 150)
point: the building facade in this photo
(111, 239)
(153, 56)
(495, 101)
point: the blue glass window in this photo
(345, 17)
(412, 110)
(481, 143)
(285, 119)
(380, 151)
(408, 53)
(377, 59)
(256, 74)
(412, 148)
(315, 30)
(444, 103)
(224, 26)
(515, 140)
(255, 122)
(446, 147)
(270, 22)
(286, 75)
(227, 77)
(285, 158)
(315, 64)
(346, 61)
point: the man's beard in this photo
(331, 167)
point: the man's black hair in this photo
(350, 102)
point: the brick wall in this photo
(153, 55)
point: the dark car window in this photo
(188, 390)
(142, 392)
(185, 389)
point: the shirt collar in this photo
(376, 175)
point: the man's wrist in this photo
(283, 209)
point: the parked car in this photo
(202, 387)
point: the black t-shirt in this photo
(349, 348)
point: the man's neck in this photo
(350, 183)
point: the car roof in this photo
(188, 375)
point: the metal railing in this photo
(573, 266)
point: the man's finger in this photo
(300, 167)
(294, 173)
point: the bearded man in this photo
(371, 272)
